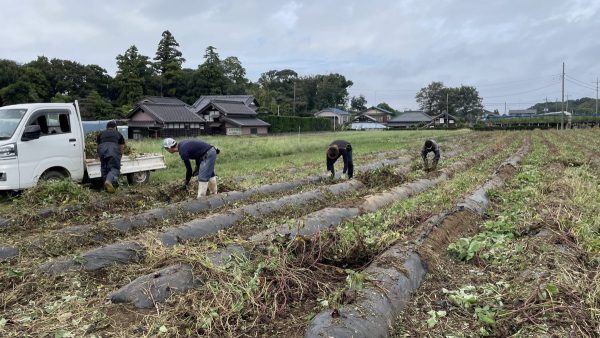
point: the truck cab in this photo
(41, 140)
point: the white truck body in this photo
(53, 146)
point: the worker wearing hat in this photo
(337, 149)
(205, 156)
(428, 147)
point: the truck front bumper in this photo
(9, 174)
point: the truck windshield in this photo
(9, 120)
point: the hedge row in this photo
(287, 124)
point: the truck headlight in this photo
(9, 150)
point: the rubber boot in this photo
(202, 186)
(212, 185)
(108, 186)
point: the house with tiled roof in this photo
(159, 117)
(230, 115)
(379, 114)
(409, 119)
(338, 116)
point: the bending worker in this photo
(110, 149)
(205, 156)
(430, 146)
(336, 149)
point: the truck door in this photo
(59, 146)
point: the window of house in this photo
(253, 130)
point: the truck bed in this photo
(129, 164)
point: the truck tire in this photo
(139, 177)
(53, 175)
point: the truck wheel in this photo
(139, 177)
(53, 176)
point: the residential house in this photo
(366, 122)
(230, 115)
(338, 117)
(159, 117)
(443, 120)
(379, 114)
(409, 119)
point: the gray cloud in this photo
(510, 50)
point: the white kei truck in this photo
(46, 141)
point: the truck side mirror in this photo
(31, 133)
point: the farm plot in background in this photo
(273, 272)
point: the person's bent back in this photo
(337, 149)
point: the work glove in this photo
(217, 150)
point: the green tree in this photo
(387, 107)
(168, 63)
(18, 92)
(210, 78)
(132, 69)
(358, 104)
(432, 99)
(467, 103)
(95, 107)
(235, 73)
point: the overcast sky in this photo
(511, 50)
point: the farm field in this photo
(502, 240)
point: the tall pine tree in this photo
(132, 69)
(168, 63)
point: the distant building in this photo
(338, 116)
(159, 117)
(443, 120)
(409, 119)
(365, 122)
(230, 115)
(379, 114)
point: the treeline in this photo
(584, 105)
(102, 96)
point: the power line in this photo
(524, 92)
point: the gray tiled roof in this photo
(411, 117)
(205, 100)
(333, 110)
(377, 108)
(162, 99)
(168, 113)
(246, 122)
(233, 108)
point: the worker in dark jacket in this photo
(110, 149)
(205, 156)
(336, 149)
(428, 147)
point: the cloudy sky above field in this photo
(511, 50)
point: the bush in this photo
(287, 124)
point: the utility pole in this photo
(596, 96)
(504, 107)
(447, 108)
(294, 107)
(562, 104)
